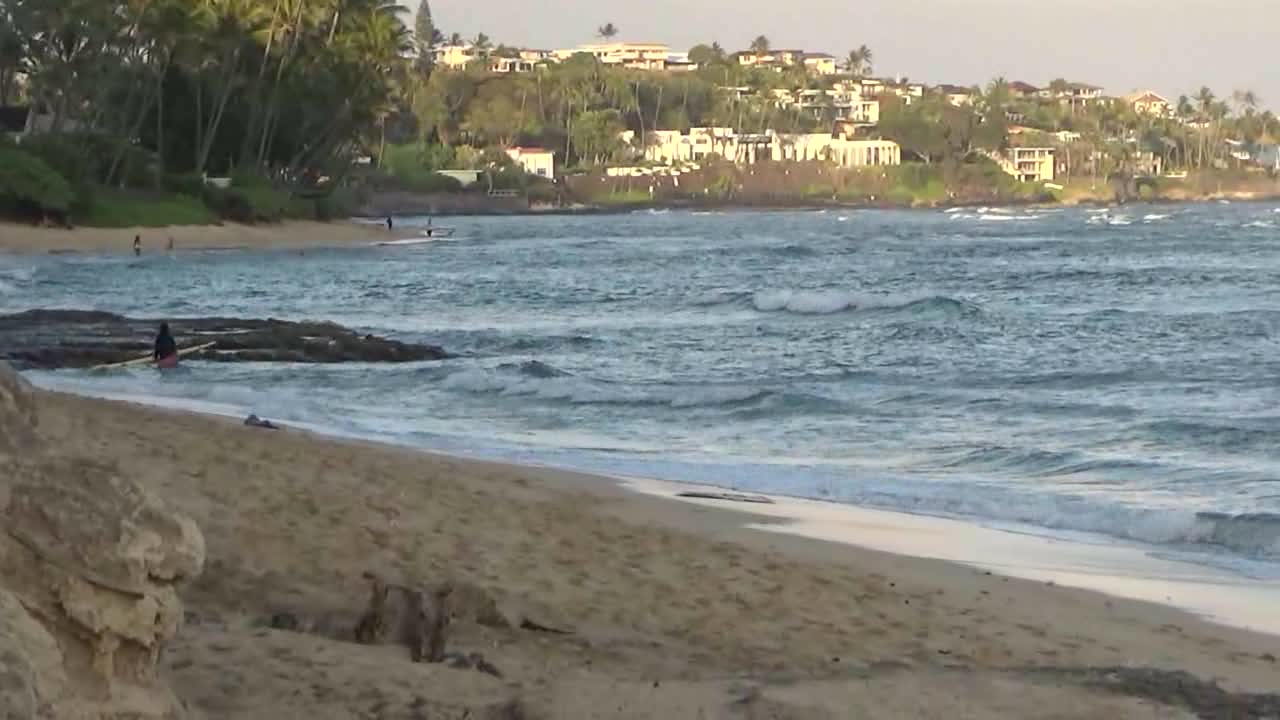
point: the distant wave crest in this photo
(826, 302)
(541, 381)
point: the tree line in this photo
(286, 88)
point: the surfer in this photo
(166, 352)
(429, 230)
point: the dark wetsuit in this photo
(165, 346)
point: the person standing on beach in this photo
(137, 245)
(388, 223)
(170, 245)
(166, 350)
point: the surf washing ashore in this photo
(1065, 397)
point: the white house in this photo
(671, 147)
(535, 161)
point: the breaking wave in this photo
(1256, 535)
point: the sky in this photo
(1170, 46)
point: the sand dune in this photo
(676, 610)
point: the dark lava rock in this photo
(49, 339)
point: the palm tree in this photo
(455, 39)
(482, 43)
(760, 45)
(608, 31)
(858, 62)
(997, 95)
(223, 27)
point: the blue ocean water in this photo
(1112, 373)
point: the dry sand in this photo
(286, 235)
(677, 610)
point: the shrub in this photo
(189, 184)
(27, 180)
(114, 208)
(434, 182)
(338, 203)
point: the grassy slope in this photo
(115, 209)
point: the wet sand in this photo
(674, 609)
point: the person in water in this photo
(137, 245)
(166, 352)
(389, 223)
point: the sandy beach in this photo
(290, 235)
(661, 609)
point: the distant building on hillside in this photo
(1028, 164)
(634, 56)
(680, 62)
(1149, 102)
(672, 147)
(535, 161)
(956, 95)
(454, 57)
(820, 63)
(842, 102)
(1080, 95)
(1023, 91)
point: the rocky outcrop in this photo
(77, 339)
(17, 415)
(90, 564)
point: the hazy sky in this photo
(1171, 46)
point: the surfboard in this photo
(149, 359)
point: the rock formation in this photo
(77, 339)
(90, 563)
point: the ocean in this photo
(1106, 376)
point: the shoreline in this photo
(1116, 568)
(290, 235)
(366, 231)
(587, 209)
(674, 607)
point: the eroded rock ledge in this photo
(90, 566)
(48, 339)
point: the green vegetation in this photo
(29, 186)
(126, 209)
(148, 96)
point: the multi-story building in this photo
(820, 63)
(671, 147)
(841, 103)
(1080, 95)
(1028, 164)
(1148, 102)
(635, 56)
